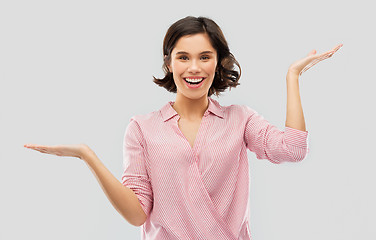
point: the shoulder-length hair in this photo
(225, 76)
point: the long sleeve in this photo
(268, 142)
(135, 174)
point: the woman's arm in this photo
(121, 197)
(294, 112)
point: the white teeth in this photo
(194, 80)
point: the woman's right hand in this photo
(70, 150)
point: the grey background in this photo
(77, 71)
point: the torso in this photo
(189, 129)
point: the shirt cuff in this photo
(296, 137)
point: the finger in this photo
(338, 47)
(326, 54)
(335, 49)
(36, 147)
(47, 150)
(314, 62)
(33, 145)
(311, 64)
(317, 60)
(321, 57)
(331, 52)
(42, 150)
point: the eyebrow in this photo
(204, 52)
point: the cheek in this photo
(210, 67)
(178, 67)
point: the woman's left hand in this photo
(68, 150)
(304, 64)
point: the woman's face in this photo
(193, 59)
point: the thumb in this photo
(313, 52)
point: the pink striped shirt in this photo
(201, 192)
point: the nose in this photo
(194, 67)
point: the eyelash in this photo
(207, 57)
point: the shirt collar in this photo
(168, 111)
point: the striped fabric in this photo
(201, 192)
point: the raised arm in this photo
(294, 112)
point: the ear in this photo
(168, 66)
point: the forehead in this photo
(193, 44)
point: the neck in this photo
(190, 109)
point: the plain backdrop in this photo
(77, 71)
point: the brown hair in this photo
(225, 75)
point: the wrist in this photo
(292, 75)
(293, 72)
(86, 153)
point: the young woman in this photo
(185, 165)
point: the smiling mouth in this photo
(193, 81)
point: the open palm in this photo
(70, 150)
(304, 64)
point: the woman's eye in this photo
(186, 58)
